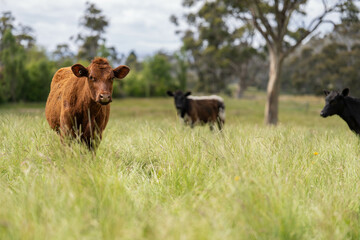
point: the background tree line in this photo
(227, 46)
(26, 69)
(220, 34)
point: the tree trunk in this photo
(239, 92)
(273, 88)
(241, 87)
(243, 75)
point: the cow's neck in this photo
(95, 108)
(349, 117)
(185, 109)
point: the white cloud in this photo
(141, 25)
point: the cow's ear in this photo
(79, 70)
(187, 94)
(121, 71)
(345, 92)
(326, 92)
(170, 93)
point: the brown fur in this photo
(203, 111)
(76, 105)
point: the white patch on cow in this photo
(222, 114)
(212, 97)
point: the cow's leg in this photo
(66, 126)
(211, 126)
(191, 120)
(220, 123)
(95, 141)
(88, 135)
(92, 135)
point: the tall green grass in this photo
(152, 178)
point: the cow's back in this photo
(53, 104)
(204, 110)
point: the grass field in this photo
(152, 178)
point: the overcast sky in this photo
(142, 25)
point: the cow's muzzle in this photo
(323, 114)
(104, 98)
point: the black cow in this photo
(346, 107)
(204, 109)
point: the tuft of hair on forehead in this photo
(178, 92)
(332, 95)
(101, 62)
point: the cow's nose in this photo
(104, 97)
(322, 113)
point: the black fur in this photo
(348, 108)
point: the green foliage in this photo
(181, 68)
(153, 80)
(333, 67)
(63, 56)
(6, 23)
(157, 75)
(134, 85)
(350, 12)
(25, 70)
(133, 62)
(216, 47)
(109, 53)
(13, 72)
(40, 73)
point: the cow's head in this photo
(334, 102)
(179, 97)
(100, 76)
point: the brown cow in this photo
(204, 109)
(78, 103)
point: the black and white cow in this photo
(202, 110)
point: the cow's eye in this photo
(332, 102)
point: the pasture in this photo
(152, 178)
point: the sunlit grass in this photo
(152, 178)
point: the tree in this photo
(6, 22)
(218, 50)
(94, 23)
(13, 73)
(62, 55)
(25, 36)
(40, 73)
(239, 59)
(329, 62)
(180, 69)
(274, 19)
(202, 41)
(153, 79)
(25, 69)
(157, 75)
(132, 61)
(110, 53)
